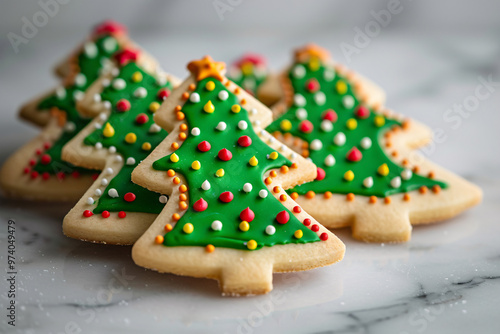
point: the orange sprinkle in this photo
(174, 145)
(268, 180)
(168, 227)
(350, 197)
(273, 173)
(431, 175)
(436, 189)
(406, 197)
(294, 195)
(243, 101)
(276, 134)
(406, 124)
(305, 153)
(182, 136)
(294, 165)
(287, 135)
(405, 162)
(237, 90)
(394, 153)
(159, 239)
(183, 188)
(227, 83)
(276, 189)
(170, 172)
(183, 205)
(310, 194)
(387, 200)
(192, 87)
(176, 216)
(304, 144)
(328, 194)
(183, 197)
(416, 169)
(180, 115)
(373, 199)
(176, 180)
(183, 127)
(210, 248)
(284, 169)
(185, 95)
(387, 135)
(178, 108)
(283, 197)
(422, 189)
(388, 144)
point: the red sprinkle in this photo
(225, 155)
(32, 162)
(362, 112)
(126, 56)
(321, 174)
(283, 217)
(312, 85)
(354, 155)
(141, 118)
(244, 141)
(307, 222)
(200, 205)
(204, 146)
(75, 174)
(297, 209)
(38, 152)
(330, 115)
(226, 196)
(61, 175)
(105, 214)
(129, 197)
(26, 170)
(45, 175)
(122, 214)
(47, 145)
(324, 236)
(95, 176)
(123, 105)
(110, 27)
(163, 93)
(247, 215)
(46, 159)
(88, 213)
(315, 228)
(306, 126)
(34, 174)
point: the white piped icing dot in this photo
(326, 125)
(223, 95)
(299, 100)
(205, 185)
(195, 131)
(301, 113)
(115, 71)
(329, 160)
(154, 128)
(368, 182)
(299, 71)
(339, 139)
(161, 80)
(90, 201)
(366, 143)
(78, 95)
(140, 92)
(396, 182)
(263, 193)
(90, 49)
(271, 140)
(109, 171)
(256, 122)
(98, 146)
(112, 149)
(282, 148)
(247, 187)
(163, 199)
(97, 125)
(119, 84)
(109, 44)
(243, 125)
(348, 101)
(69, 127)
(97, 98)
(60, 93)
(98, 192)
(105, 82)
(216, 225)
(253, 111)
(103, 116)
(316, 145)
(270, 229)
(406, 174)
(104, 182)
(293, 155)
(80, 79)
(113, 193)
(329, 75)
(130, 161)
(320, 98)
(107, 104)
(194, 97)
(221, 126)
(119, 158)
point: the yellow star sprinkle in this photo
(349, 175)
(206, 67)
(209, 107)
(131, 138)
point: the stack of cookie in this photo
(206, 181)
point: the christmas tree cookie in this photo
(368, 176)
(122, 133)
(249, 72)
(228, 217)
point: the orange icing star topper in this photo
(311, 51)
(207, 67)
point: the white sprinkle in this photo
(270, 229)
(104, 182)
(316, 145)
(329, 75)
(253, 111)
(130, 161)
(109, 171)
(78, 95)
(107, 104)
(105, 82)
(118, 158)
(113, 193)
(119, 84)
(115, 71)
(329, 160)
(60, 93)
(247, 187)
(396, 182)
(154, 128)
(368, 182)
(103, 116)
(69, 127)
(163, 199)
(90, 49)
(348, 101)
(263, 193)
(140, 92)
(271, 140)
(110, 44)
(216, 225)
(221, 126)
(98, 192)
(242, 125)
(299, 71)
(97, 125)
(293, 155)
(366, 143)
(282, 148)
(406, 174)
(80, 79)
(97, 98)
(320, 98)
(223, 95)
(326, 125)
(256, 122)
(194, 97)
(195, 131)
(205, 185)
(299, 100)
(90, 201)
(112, 149)
(339, 139)
(98, 146)
(161, 81)
(301, 113)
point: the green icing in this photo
(238, 171)
(248, 81)
(124, 123)
(90, 62)
(372, 157)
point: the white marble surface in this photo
(445, 280)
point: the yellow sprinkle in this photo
(235, 108)
(273, 155)
(154, 106)
(341, 87)
(252, 244)
(209, 107)
(219, 172)
(253, 161)
(210, 86)
(174, 157)
(383, 170)
(314, 64)
(244, 226)
(188, 228)
(247, 68)
(137, 77)
(146, 146)
(130, 137)
(196, 165)
(349, 175)
(298, 234)
(379, 121)
(351, 124)
(285, 125)
(108, 131)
